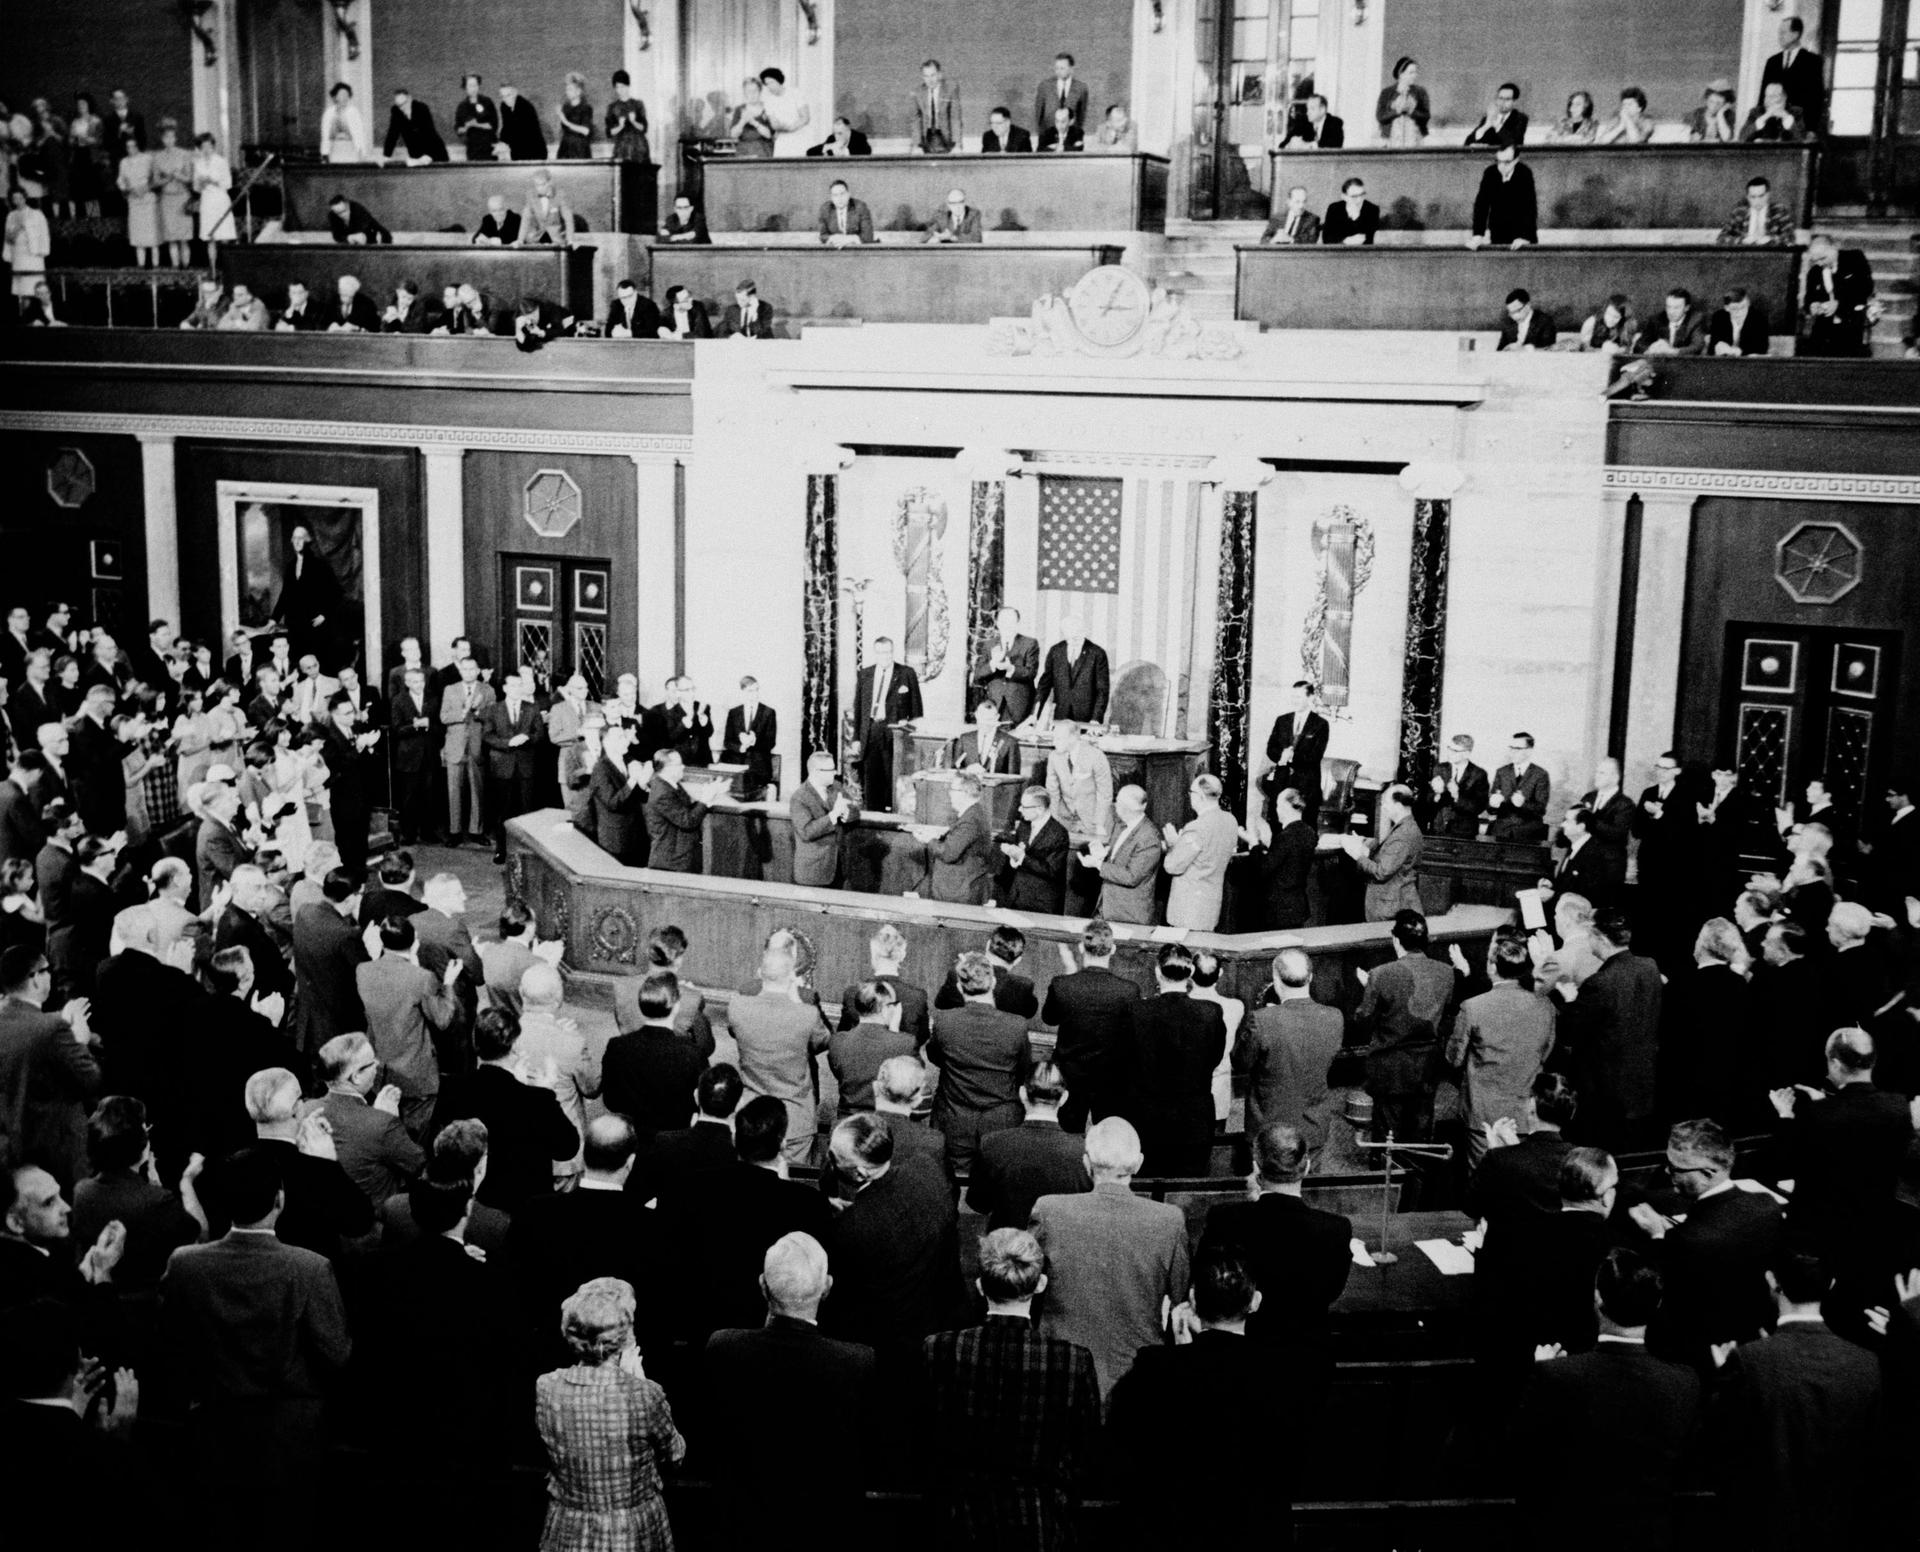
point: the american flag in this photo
(1122, 555)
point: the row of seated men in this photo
(462, 309)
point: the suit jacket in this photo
(77, 940)
(720, 1223)
(1089, 1008)
(1533, 1283)
(1392, 868)
(1078, 687)
(1047, 97)
(693, 230)
(1330, 135)
(1284, 868)
(1594, 871)
(1523, 1178)
(648, 1075)
(520, 131)
(236, 928)
(358, 314)
(667, 1159)
(358, 222)
(1299, 1257)
(95, 771)
(557, 1243)
(855, 1055)
(857, 145)
(327, 953)
(1777, 224)
(1456, 812)
(1306, 228)
(967, 230)
(548, 223)
(1688, 338)
(1019, 1165)
(759, 759)
(1040, 882)
(1511, 131)
(1404, 1014)
(1505, 209)
(749, 1375)
(48, 1079)
(1805, 82)
(1844, 1157)
(372, 1146)
(1130, 874)
(1298, 752)
(407, 1009)
(963, 860)
(1285, 1052)
(1715, 1269)
(1613, 1028)
(1012, 993)
(506, 762)
(983, 1055)
(415, 130)
(1336, 226)
(1849, 283)
(936, 120)
(465, 725)
(1753, 337)
(615, 814)
(816, 838)
(1501, 1039)
(1011, 691)
(1523, 813)
(1000, 758)
(913, 1008)
(1540, 331)
(527, 1132)
(1112, 1257)
(895, 1253)
(1198, 860)
(1019, 142)
(733, 322)
(642, 320)
(674, 822)
(21, 833)
(902, 703)
(858, 222)
(1173, 1044)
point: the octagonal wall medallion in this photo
(1818, 563)
(552, 505)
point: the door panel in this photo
(283, 85)
(556, 618)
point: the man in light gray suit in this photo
(463, 711)
(1501, 1039)
(1113, 1258)
(818, 810)
(1129, 861)
(1392, 862)
(1285, 1052)
(1197, 858)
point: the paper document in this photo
(1533, 915)
(1360, 1255)
(1453, 1260)
(1169, 934)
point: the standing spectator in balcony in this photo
(1800, 75)
(1403, 110)
(28, 242)
(1836, 300)
(212, 179)
(135, 182)
(785, 117)
(410, 127)
(477, 121)
(1353, 220)
(936, 112)
(520, 132)
(126, 130)
(343, 132)
(1318, 130)
(1713, 123)
(1773, 119)
(1577, 125)
(1629, 126)
(1758, 220)
(1506, 212)
(576, 119)
(87, 160)
(627, 122)
(1502, 124)
(1059, 91)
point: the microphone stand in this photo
(1424, 1150)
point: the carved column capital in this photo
(1237, 472)
(1432, 481)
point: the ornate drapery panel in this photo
(819, 686)
(1422, 679)
(1227, 706)
(986, 563)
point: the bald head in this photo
(794, 1277)
(541, 987)
(1113, 1149)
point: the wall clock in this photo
(1109, 306)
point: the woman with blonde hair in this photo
(608, 1432)
(576, 120)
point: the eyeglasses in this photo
(1688, 1169)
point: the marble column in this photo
(1229, 699)
(446, 499)
(1423, 675)
(986, 543)
(820, 605)
(160, 499)
(1659, 614)
(660, 584)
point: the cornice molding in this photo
(349, 433)
(1780, 484)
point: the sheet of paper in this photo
(1170, 934)
(1453, 1260)
(1360, 1254)
(1533, 913)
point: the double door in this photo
(555, 620)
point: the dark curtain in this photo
(819, 688)
(1227, 707)
(1426, 657)
(986, 566)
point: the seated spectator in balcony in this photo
(208, 310)
(1063, 134)
(351, 312)
(1611, 327)
(520, 133)
(499, 227)
(1352, 220)
(845, 140)
(407, 314)
(1506, 212)
(1295, 224)
(686, 225)
(1679, 332)
(1503, 124)
(535, 322)
(476, 121)
(683, 317)
(440, 314)
(245, 312)
(343, 132)
(1118, 134)
(410, 128)
(302, 314)
(1004, 136)
(747, 317)
(1738, 326)
(1525, 327)
(1318, 130)
(546, 217)
(1759, 220)
(1577, 125)
(1630, 126)
(1772, 119)
(477, 315)
(845, 222)
(959, 222)
(1713, 123)
(632, 316)
(351, 222)
(37, 311)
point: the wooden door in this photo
(283, 84)
(555, 615)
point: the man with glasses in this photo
(1197, 858)
(1036, 874)
(368, 1139)
(959, 222)
(1520, 793)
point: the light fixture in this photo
(812, 13)
(343, 24)
(195, 13)
(1159, 15)
(639, 9)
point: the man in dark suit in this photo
(1613, 1031)
(21, 832)
(1502, 124)
(749, 1375)
(632, 316)
(842, 140)
(527, 1131)
(512, 731)
(1604, 1437)
(961, 857)
(884, 692)
(1836, 300)
(1594, 872)
(844, 222)
(988, 747)
(1172, 1044)
(1795, 1425)
(1075, 677)
(936, 112)
(957, 221)
(1315, 129)
(368, 1140)
(751, 731)
(1738, 326)
(649, 1073)
(410, 127)
(1005, 666)
(95, 768)
(615, 810)
(1060, 90)
(675, 815)
(326, 952)
(1295, 748)
(1299, 1257)
(343, 748)
(886, 952)
(79, 935)
(1524, 326)
(1679, 331)
(1801, 74)
(1020, 1164)
(1036, 873)
(983, 1054)
(1283, 858)
(1520, 793)
(254, 919)
(1088, 1007)
(685, 224)
(1534, 1276)
(819, 811)
(1293, 224)
(351, 222)
(49, 1070)
(1404, 1012)
(410, 745)
(1506, 211)
(895, 1249)
(1520, 1171)
(406, 314)
(1012, 992)
(665, 1162)
(747, 315)
(1456, 793)
(1003, 135)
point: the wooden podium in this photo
(934, 805)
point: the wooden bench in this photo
(563, 276)
(604, 196)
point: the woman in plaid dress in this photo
(608, 1432)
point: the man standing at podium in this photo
(1006, 666)
(986, 748)
(1295, 748)
(884, 692)
(1075, 678)
(818, 811)
(962, 856)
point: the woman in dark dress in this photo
(576, 120)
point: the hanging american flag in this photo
(1079, 535)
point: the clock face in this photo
(1109, 305)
